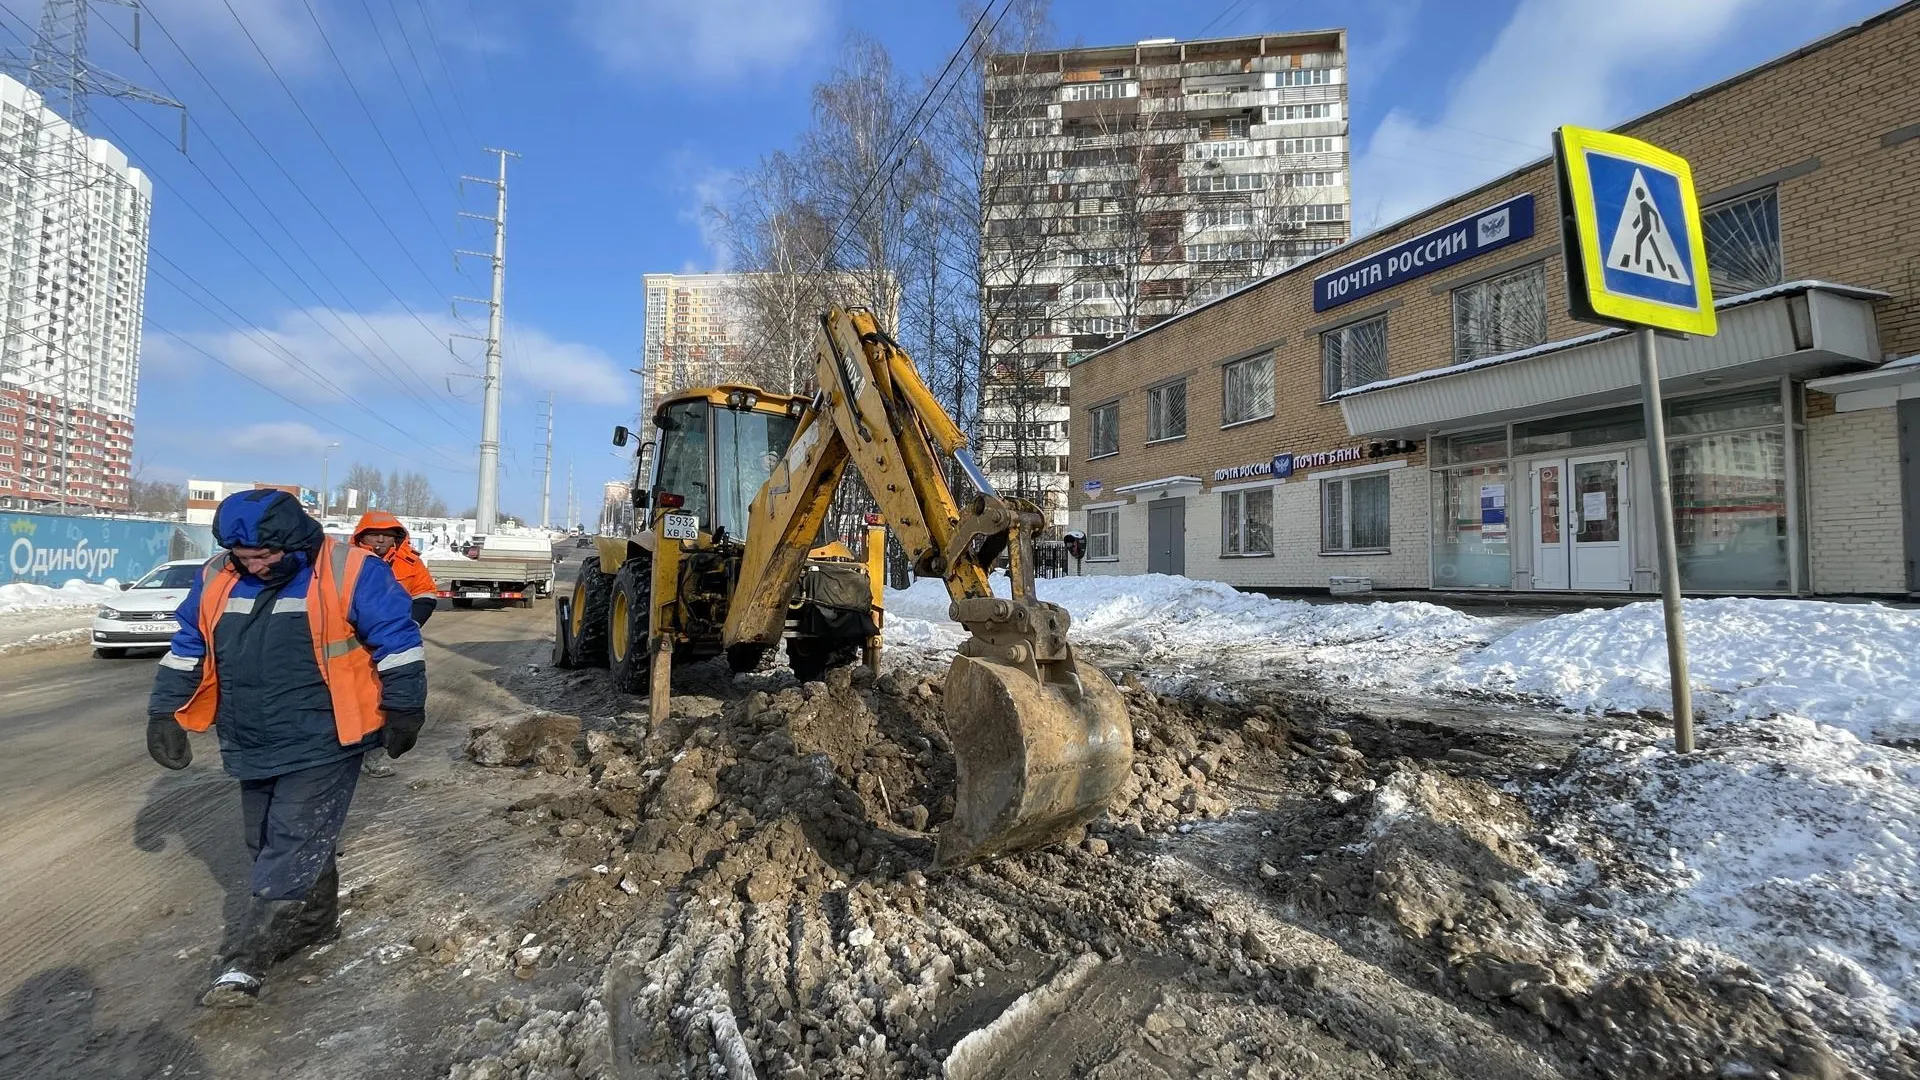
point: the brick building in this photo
(1417, 408)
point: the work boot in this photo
(261, 936)
(374, 763)
(318, 920)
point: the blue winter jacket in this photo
(275, 716)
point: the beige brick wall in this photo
(1854, 542)
(1296, 560)
(1849, 218)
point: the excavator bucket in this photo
(1034, 759)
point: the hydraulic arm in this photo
(1041, 740)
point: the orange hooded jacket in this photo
(408, 568)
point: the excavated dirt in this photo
(1282, 889)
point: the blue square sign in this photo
(1643, 222)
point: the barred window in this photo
(1743, 243)
(1167, 411)
(1248, 390)
(1500, 314)
(1103, 430)
(1354, 355)
(1103, 534)
(1353, 514)
(1246, 522)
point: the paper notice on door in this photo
(1593, 506)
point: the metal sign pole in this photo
(1664, 538)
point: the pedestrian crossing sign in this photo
(1634, 251)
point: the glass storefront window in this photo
(1471, 527)
(1572, 432)
(1759, 407)
(1730, 510)
(1489, 445)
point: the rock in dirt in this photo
(544, 741)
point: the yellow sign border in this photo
(1575, 142)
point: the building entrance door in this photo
(1908, 416)
(1167, 536)
(1549, 524)
(1580, 529)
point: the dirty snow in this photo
(1784, 845)
(1853, 666)
(27, 596)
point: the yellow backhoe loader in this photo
(725, 559)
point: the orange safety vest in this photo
(346, 665)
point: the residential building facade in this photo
(1418, 410)
(1126, 184)
(73, 269)
(204, 496)
(706, 329)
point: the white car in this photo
(142, 617)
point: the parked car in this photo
(143, 616)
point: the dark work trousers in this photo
(293, 824)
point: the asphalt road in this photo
(116, 876)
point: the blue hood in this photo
(266, 518)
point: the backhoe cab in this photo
(725, 557)
(712, 451)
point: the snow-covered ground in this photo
(1204, 629)
(26, 596)
(38, 616)
(1855, 666)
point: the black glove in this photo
(401, 729)
(167, 741)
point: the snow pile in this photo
(1784, 846)
(439, 554)
(27, 596)
(1206, 624)
(1854, 666)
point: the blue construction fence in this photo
(48, 549)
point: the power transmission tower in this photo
(488, 502)
(546, 472)
(573, 506)
(58, 70)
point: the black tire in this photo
(627, 620)
(562, 646)
(812, 658)
(592, 593)
(105, 653)
(464, 603)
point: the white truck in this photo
(512, 569)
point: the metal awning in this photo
(1799, 328)
(1892, 381)
(1157, 485)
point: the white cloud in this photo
(1555, 62)
(315, 356)
(700, 39)
(278, 439)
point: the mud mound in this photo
(1444, 872)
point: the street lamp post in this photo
(325, 491)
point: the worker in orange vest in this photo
(384, 535)
(301, 652)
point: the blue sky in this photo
(319, 265)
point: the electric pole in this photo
(572, 506)
(58, 70)
(488, 502)
(546, 472)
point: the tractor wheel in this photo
(811, 658)
(587, 614)
(627, 622)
